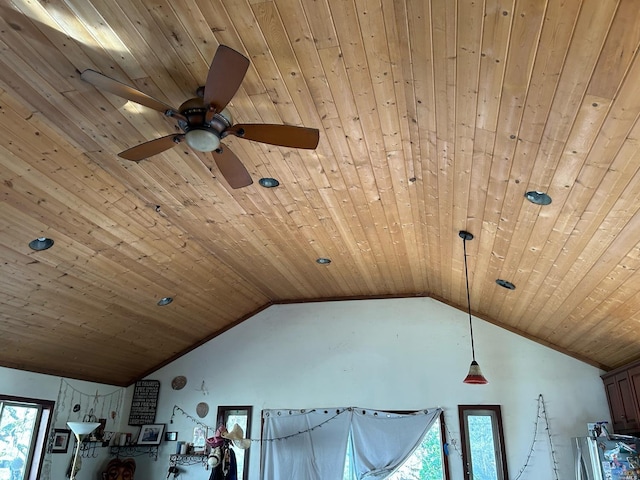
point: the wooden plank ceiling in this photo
(434, 117)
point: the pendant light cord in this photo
(466, 275)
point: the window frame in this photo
(498, 437)
(39, 440)
(443, 442)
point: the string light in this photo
(176, 408)
(65, 405)
(454, 441)
(339, 412)
(541, 414)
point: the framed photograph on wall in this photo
(170, 436)
(60, 440)
(151, 434)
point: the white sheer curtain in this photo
(382, 441)
(312, 444)
(316, 454)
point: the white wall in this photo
(385, 354)
(19, 383)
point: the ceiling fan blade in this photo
(231, 167)
(226, 73)
(152, 147)
(122, 90)
(282, 135)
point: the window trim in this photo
(501, 459)
(41, 429)
(443, 442)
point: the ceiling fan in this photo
(206, 121)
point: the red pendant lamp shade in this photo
(474, 377)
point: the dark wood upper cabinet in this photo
(622, 387)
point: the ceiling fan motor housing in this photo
(199, 134)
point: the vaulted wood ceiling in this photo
(434, 117)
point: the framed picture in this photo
(60, 440)
(170, 436)
(199, 436)
(151, 434)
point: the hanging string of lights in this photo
(73, 400)
(176, 408)
(339, 412)
(541, 414)
(453, 442)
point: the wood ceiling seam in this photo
(303, 54)
(422, 74)
(405, 97)
(600, 176)
(542, 90)
(355, 72)
(528, 22)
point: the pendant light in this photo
(474, 376)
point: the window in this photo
(229, 416)
(427, 462)
(483, 452)
(24, 424)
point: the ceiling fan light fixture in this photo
(226, 114)
(268, 182)
(164, 301)
(202, 139)
(538, 198)
(40, 243)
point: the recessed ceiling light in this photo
(539, 198)
(40, 243)
(268, 182)
(505, 284)
(165, 301)
(323, 261)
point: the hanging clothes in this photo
(227, 469)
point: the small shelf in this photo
(134, 451)
(88, 448)
(189, 459)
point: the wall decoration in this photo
(179, 382)
(151, 434)
(118, 468)
(60, 440)
(170, 436)
(202, 409)
(144, 402)
(72, 404)
(199, 437)
(203, 388)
